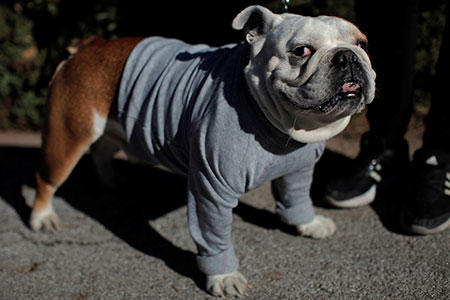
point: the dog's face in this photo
(316, 69)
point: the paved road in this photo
(133, 243)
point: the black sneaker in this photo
(427, 207)
(357, 185)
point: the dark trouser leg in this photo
(391, 28)
(427, 204)
(437, 131)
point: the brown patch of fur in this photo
(84, 83)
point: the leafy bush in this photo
(431, 25)
(20, 63)
(33, 38)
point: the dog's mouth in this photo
(349, 91)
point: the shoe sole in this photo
(422, 229)
(358, 201)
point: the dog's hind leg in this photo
(103, 152)
(64, 142)
(82, 93)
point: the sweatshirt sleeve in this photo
(210, 218)
(292, 191)
(215, 182)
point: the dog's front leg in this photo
(294, 205)
(210, 216)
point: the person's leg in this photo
(392, 44)
(437, 132)
(392, 35)
(427, 206)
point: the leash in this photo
(285, 5)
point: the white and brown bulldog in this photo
(229, 118)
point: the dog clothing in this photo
(188, 108)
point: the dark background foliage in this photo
(34, 35)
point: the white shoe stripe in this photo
(375, 176)
(447, 192)
(432, 160)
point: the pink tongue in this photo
(350, 87)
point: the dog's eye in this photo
(362, 44)
(302, 51)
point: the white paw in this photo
(231, 284)
(45, 220)
(321, 227)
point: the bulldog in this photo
(229, 118)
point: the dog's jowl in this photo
(230, 119)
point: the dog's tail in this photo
(75, 46)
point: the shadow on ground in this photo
(148, 194)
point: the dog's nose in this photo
(343, 59)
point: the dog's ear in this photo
(257, 20)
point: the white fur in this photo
(98, 125)
(230, 284)
(45, 219)
(320, 227)
(319, 134)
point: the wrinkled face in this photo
(312, 66)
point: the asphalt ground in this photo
(133, 242)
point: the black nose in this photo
(343, 59)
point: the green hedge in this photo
(20, 62)
(33, 38)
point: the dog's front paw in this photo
(231, 284)
(45, 220)
(321, 227)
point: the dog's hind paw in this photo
(232, 284)
(320, 227)
(45, 220)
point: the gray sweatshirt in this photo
(187, 107)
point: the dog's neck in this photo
(318, 134)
